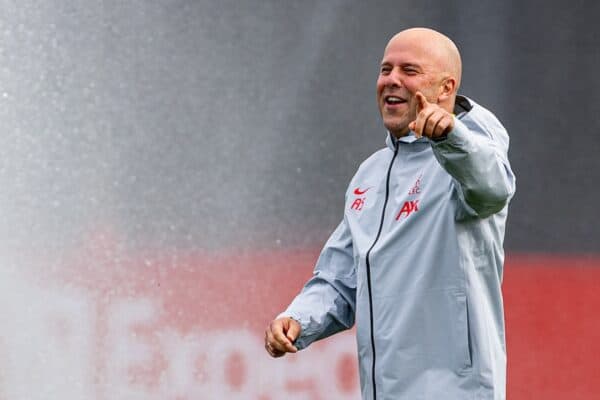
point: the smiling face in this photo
(416, 60)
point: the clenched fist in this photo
(432, 121)
(280, 336)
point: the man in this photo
(418, 257)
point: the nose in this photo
(393, 79)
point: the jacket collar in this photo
(410, 138)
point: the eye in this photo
(385, 70)
(410, 71)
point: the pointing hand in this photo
(432, 121)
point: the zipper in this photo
(387, 191)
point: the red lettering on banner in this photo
(408, 208)
(140, 333)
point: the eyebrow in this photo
(414, 65)
(403, 65)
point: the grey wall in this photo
(238, 124)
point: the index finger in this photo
(422, 100)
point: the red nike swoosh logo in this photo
(358, 192)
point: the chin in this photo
(397, 129)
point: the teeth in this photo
(393, 99)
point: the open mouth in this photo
(394, 100)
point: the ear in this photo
(447, 89)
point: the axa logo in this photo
(408, 208)
(359, 202)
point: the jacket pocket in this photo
(462, 339)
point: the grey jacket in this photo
(417, 261)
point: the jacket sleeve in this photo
(327, 302)
(475, 154)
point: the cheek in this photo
(412, 85)
(380, 86)
(426, 86)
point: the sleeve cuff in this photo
(457, 137)
(300, 342)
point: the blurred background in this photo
(170, 169)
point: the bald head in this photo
(416, 60)
(439, 48)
